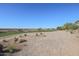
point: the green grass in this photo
(20, 31)
(8, 33)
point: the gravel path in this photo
(58, 43)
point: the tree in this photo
(40, 29)
(20, 30)
(70, 26)
(59, 28)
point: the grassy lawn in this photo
(8, 33)
(20, 31)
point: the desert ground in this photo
(56, 43)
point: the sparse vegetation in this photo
(71, 31)
(16, 39)
(9, 49)
(25, 35)
(12, 47)
(37, 34)
(22, 41)
(69, 26)
(1, 48)
(41, 33)
(20, 36)
(5, 40)
(59, 28)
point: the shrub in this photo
(20, 36)
(59, 28)
(37, 34)
(41, 33)
(22, 41)
(70, 26)
(71, 31)
(5, 40)
(1, 48)
(11, 48)
(20, 30)
(16, 39)
(25, 35)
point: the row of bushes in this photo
(68, 26)
(45, 30)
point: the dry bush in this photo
(37, 34)
(41, 33)
(20, 36)
(25, 35)
(1, 48)
(22, 41)
(16, 39)
(5, 40)
(11, 48)
(71, 32)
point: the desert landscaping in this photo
(60, 41)
(51, 43)
(39, 29)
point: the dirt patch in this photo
(57, 43)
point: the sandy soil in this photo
(57, 43)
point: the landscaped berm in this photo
(63, 41)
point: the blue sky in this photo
(30, 15)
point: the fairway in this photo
(8, 33)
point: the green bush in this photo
(11, 48)
(70, 26)
(59, 28)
